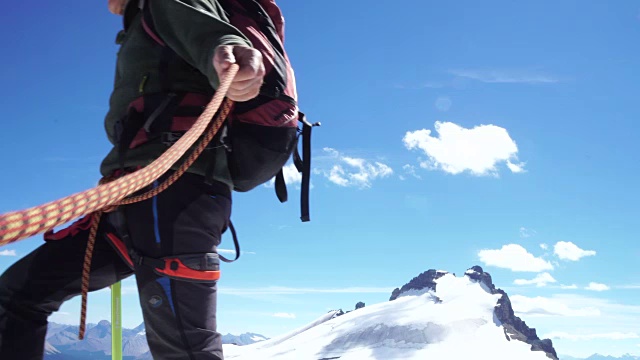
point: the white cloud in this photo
(567, 250)
(527, 233)
(354, 172)
(515, 258)
(544, 246)
(516, 168)
(456, 149)
(569, 287)
(579, 337)
(284, 315)
(540, 280)
(593, 286)
(541, 306)
(410, 170)
(8, 253)
(443, 103)
(336, 176)
(331, 152)
(505, 76)
(281, 290)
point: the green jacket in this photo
(191, 28)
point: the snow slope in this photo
(455, 322)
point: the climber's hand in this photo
(246, 85)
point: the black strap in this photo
(297, 159)
(281, 187)
(215, 154)
(235, 243)
(159, 109)
(212, 162)
(303, 165)
(152, 262)
(119, 222)
(306, 168)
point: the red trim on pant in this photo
(181, 271)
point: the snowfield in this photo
(455, 322)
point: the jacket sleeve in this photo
(193, 29)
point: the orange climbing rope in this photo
(18, 225)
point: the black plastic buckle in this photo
(169, 138)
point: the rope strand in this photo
(86, 271)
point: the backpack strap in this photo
(281, 187)
(303, 165)
(152, 113)
(168, 56)
(235, 243)
(147, 23)
(306, 166)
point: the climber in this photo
(172, 54)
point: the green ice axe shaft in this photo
(116, 321)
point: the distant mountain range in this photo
(601, 357)
(62, 342)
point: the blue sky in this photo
(454, 134)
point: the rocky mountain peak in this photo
(514, 327)
(424, 281)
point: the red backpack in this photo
(261, 134)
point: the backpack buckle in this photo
(170, 137)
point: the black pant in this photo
(180, 316)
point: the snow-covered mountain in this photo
(244, 339)
(134, 343)
(62, 341)
(435, 316)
